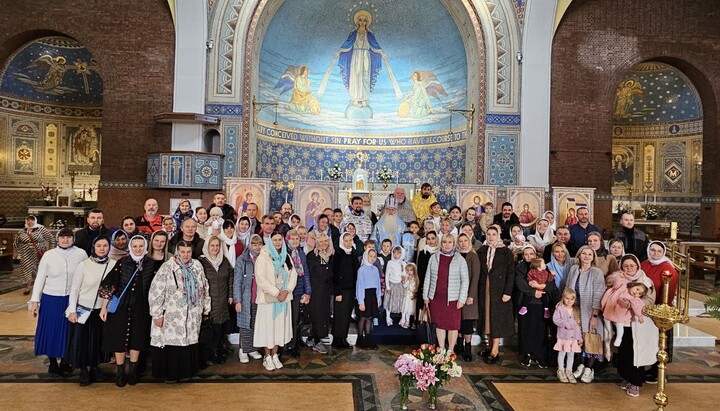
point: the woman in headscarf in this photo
(302, 290)
(52, 292)
(639, 344)
(320, 266)
(358, 245)
(184, 210)
(127, 328)
(552, 224)
(219, 274)
(200, 217)
(345, 267)
(603, 260)
(497, 278)
(86, 332)
(31, 243)
(244, 295)
(179, 298)
(430, 247)
(243, 232)
(657, 267)
(533, 324)
(276, 278)
(232, 247)
(588, 281)
(118, 245)
(559, 265)
(470, 311)
(542, 237)
(446, 290)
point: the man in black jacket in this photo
(219, 200)
(505, 219)
(95, 228)
(634, 240)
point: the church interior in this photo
(606, 104)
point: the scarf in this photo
(324, 255)
(342, 246)
(365, 258)
(561, 271)
(191, 292)
(244, 237)
(544, 239)
(218, 259)
(429, 249)
(253, 256)
(638, 274)
(297, 262)
(278, 260)
(118, 253)
(661, 259)
(138, 258)
(97, 258)
(229, 247)
(491, 251)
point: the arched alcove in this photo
(51, 96)
(657, 149)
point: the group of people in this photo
(174, 292)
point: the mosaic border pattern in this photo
(502, 119)
(224, 109)
(35, 108)
(484, 386)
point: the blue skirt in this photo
(52, 327)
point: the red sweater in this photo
(654, 273)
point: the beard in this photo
(390, 223)
(425, 196)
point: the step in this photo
(685, 336)
(697, 307)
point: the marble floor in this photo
(348, 379)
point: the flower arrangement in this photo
(623, 207)
(385, 174)
(335, 172)
(652, 211)
(429, 367)
(49, 193)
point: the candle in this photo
(286, 196)
(645, 198)
(655, 198)
(321, 174)
(397, 173)
(673, 230)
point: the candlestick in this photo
(397, 173)
(673, 230)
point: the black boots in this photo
(132, 378)
(370, 342)
(84, 377)
(467, 353)
(53, 368)
(361, 342)
(120, 377)
(459, 346)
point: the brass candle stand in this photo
(665, 317)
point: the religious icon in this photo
(52, 82)
(302, 100)
(416, 104)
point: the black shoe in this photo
(120, 377)
(294, 352)
(485, 353)
(371, 343)
(459, 346)
(361, 342)
(97, 374)
(340, 346)
(526, 361)
(493, 360)
(54, 369)
(84, 378)
(65, 369)
(132, 378)
(651, 378)
(541, 363)
(467, 352)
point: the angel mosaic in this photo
(52, 82)
(416, 104)
(303, 101)
(624, 97)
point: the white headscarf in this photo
(137, 258)
(229, 248)
(218, 259)
(661, 259)
(342, 246)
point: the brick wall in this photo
(134, 43)
(595, 43)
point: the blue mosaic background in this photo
(196, 171)
(441, 167)
(502, 156)
(231, 149)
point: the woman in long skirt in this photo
(52, 292)
(30, 243)
(87, 331)
(179, 299)
(244, 294)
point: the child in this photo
(384, 255)
(486, 217)
(367, 294)
(619, 316)
(394, 276)
(517, 241)
(436, 214)
(569, 335)
(372, 244)
(537, 278)
(410, 284)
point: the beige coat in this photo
(265, 279)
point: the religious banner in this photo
(566, 201)
(469, 195)
(310, 198)
(528, 203)
(243, 191)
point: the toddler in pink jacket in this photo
(621, 302)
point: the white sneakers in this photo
(578, 372)
(561, 375)
(268, 363)
(243, 357)
(588, 376)
(276, 362)
(255, 355)
(570, 377)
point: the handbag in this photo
(426, 328)
(593, 343)
(40, 253)
(115, 301)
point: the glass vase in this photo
(433, 396)
(404, 392)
